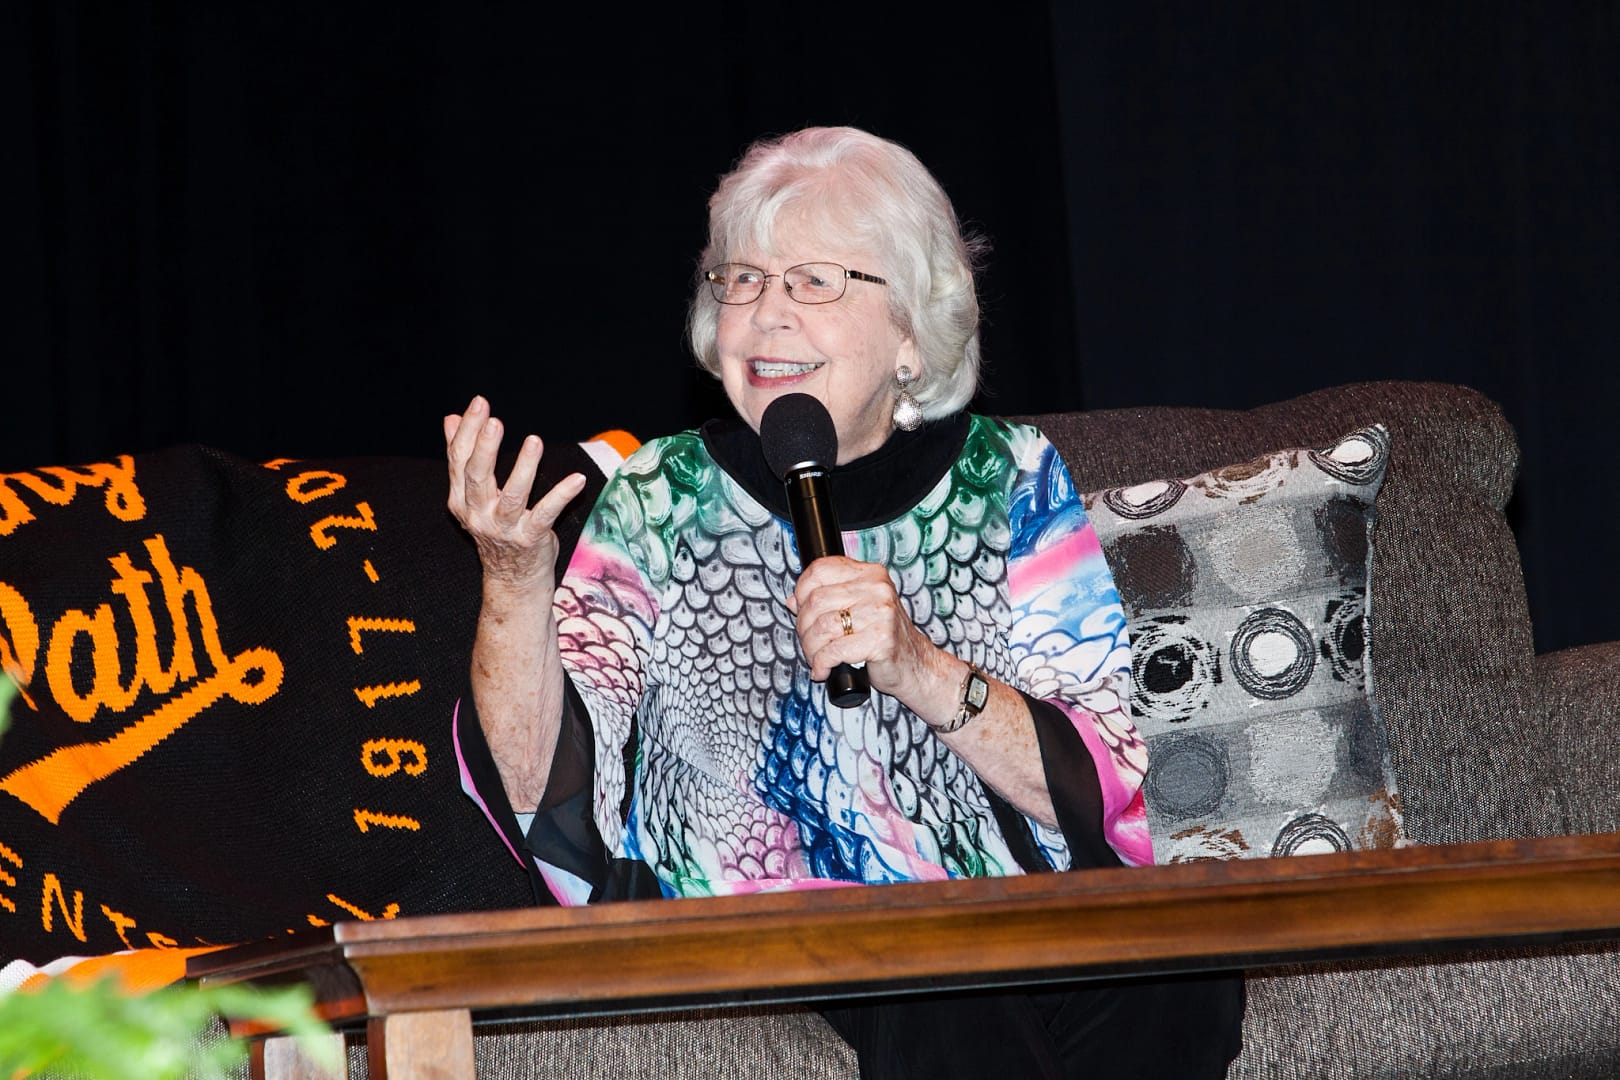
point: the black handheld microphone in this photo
(801, 447)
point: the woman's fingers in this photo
(491, 510)
(514, 540)
(552, 504)
(849, 614)
(461, 435)
(513, 498)
(833, 584)
(480, 479)
(460, 432)
(833, 569)
(472, 444)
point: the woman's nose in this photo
(775, 307)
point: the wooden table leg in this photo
(421, 1046)
(281, 1058)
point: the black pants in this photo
(1185, 1028)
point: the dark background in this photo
(300, 229)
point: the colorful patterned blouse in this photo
(720, 765)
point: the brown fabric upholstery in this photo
(1526, 1014)
(1579, 695)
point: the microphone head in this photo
(797, 430)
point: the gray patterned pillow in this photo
(1246, 593)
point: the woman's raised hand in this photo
(516, 543)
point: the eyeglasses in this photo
(808, 283)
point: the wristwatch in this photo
(975, 692)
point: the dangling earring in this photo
(908, 415)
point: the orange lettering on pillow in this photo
(14, 513)
(365, 819)
(391, 754)
(54, 781)
(17, 655)
(51, 783)
(176, 587)
(66, 486)
(75, 921)
(357, 624)
(370, 695)
(364, 916)
(299, 490)
(6, 879)
(123, 497)
(131, 585)
(107, 688)
(121, 923)
(124, 500)
(321, 531)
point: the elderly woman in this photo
(661, 708)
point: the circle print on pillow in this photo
(1174, 672)
(1344, 638)
(1188, 776)
(1311, 834)
(1273, 654)
(1358, 458)
(1144, 500)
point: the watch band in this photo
(975, 692)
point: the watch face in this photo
(978, 691)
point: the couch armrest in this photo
(1580, 696)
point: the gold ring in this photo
(846, 621)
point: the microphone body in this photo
(815, 522)
(800, 444)
(815, 526)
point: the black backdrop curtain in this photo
(303, 229)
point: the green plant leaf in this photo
(8, 690)
(100, 1032)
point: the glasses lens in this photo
(815, 283)
(736, 283)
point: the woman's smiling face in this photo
(844, 353)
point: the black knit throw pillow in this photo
(238, 680)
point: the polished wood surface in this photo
(826, 943)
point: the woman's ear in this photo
(909, 356)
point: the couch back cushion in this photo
(1449, 627)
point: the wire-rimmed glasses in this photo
(808, 283)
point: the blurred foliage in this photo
(98, 1031)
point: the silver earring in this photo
(908, 415)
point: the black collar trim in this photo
(868, 491)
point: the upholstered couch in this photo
(1487, 740)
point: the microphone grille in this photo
(795, 430)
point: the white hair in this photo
(866, 192)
